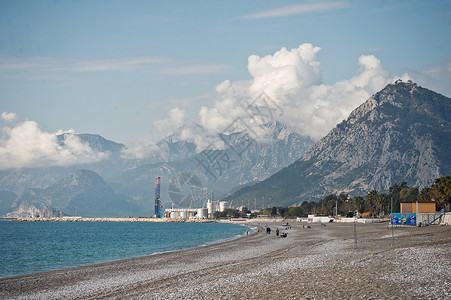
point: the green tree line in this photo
(374, 203)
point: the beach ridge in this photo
(321, 262)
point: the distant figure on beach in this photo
(277, 231)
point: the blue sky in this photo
(126, 69)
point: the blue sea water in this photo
(30, 247)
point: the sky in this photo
(135, 71)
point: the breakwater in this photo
(83, 219)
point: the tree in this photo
(359, 202)
(382, 203)
(244, 211)
(282, 211)
(408, 194)
(294, 211)
(440, 191)
(394, 194)
(227, 213)
(326, 206)
(371, 202)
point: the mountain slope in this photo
(402, 133)
(241, 162)
(83, 193)
(18, 180)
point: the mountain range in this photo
(400, 134)
(125, 186)
(83, 192)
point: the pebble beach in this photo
(335, 261)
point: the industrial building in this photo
(187, 213)
(198, 213)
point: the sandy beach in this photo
(322, 262)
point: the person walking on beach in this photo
(277, 232)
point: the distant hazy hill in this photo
(82, 193)
(52, 191)
(243, 161)
(18, 180)
(402, 133)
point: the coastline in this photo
(130, 219)
(320, 262)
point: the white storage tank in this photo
(223, 205)
(210, 207)
(202, 213)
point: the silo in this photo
(223, 205)
(202, 213)
(210, 207)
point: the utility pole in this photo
(336, 208)
(391, 222)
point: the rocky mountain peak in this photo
(402, 133)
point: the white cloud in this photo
(140, 149)
(26, 146)
(169, 125)
(287, 86)
(163, 128)
(298, 9)
(292, 84)
(124, 64)
(47, 67)
(8, 117)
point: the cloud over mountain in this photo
(25, 145)
(286, 86)
(291, 82)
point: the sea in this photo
(31, 247)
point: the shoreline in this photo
(129, 219)
(320, 262)
(129, 255)
(145, 219)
